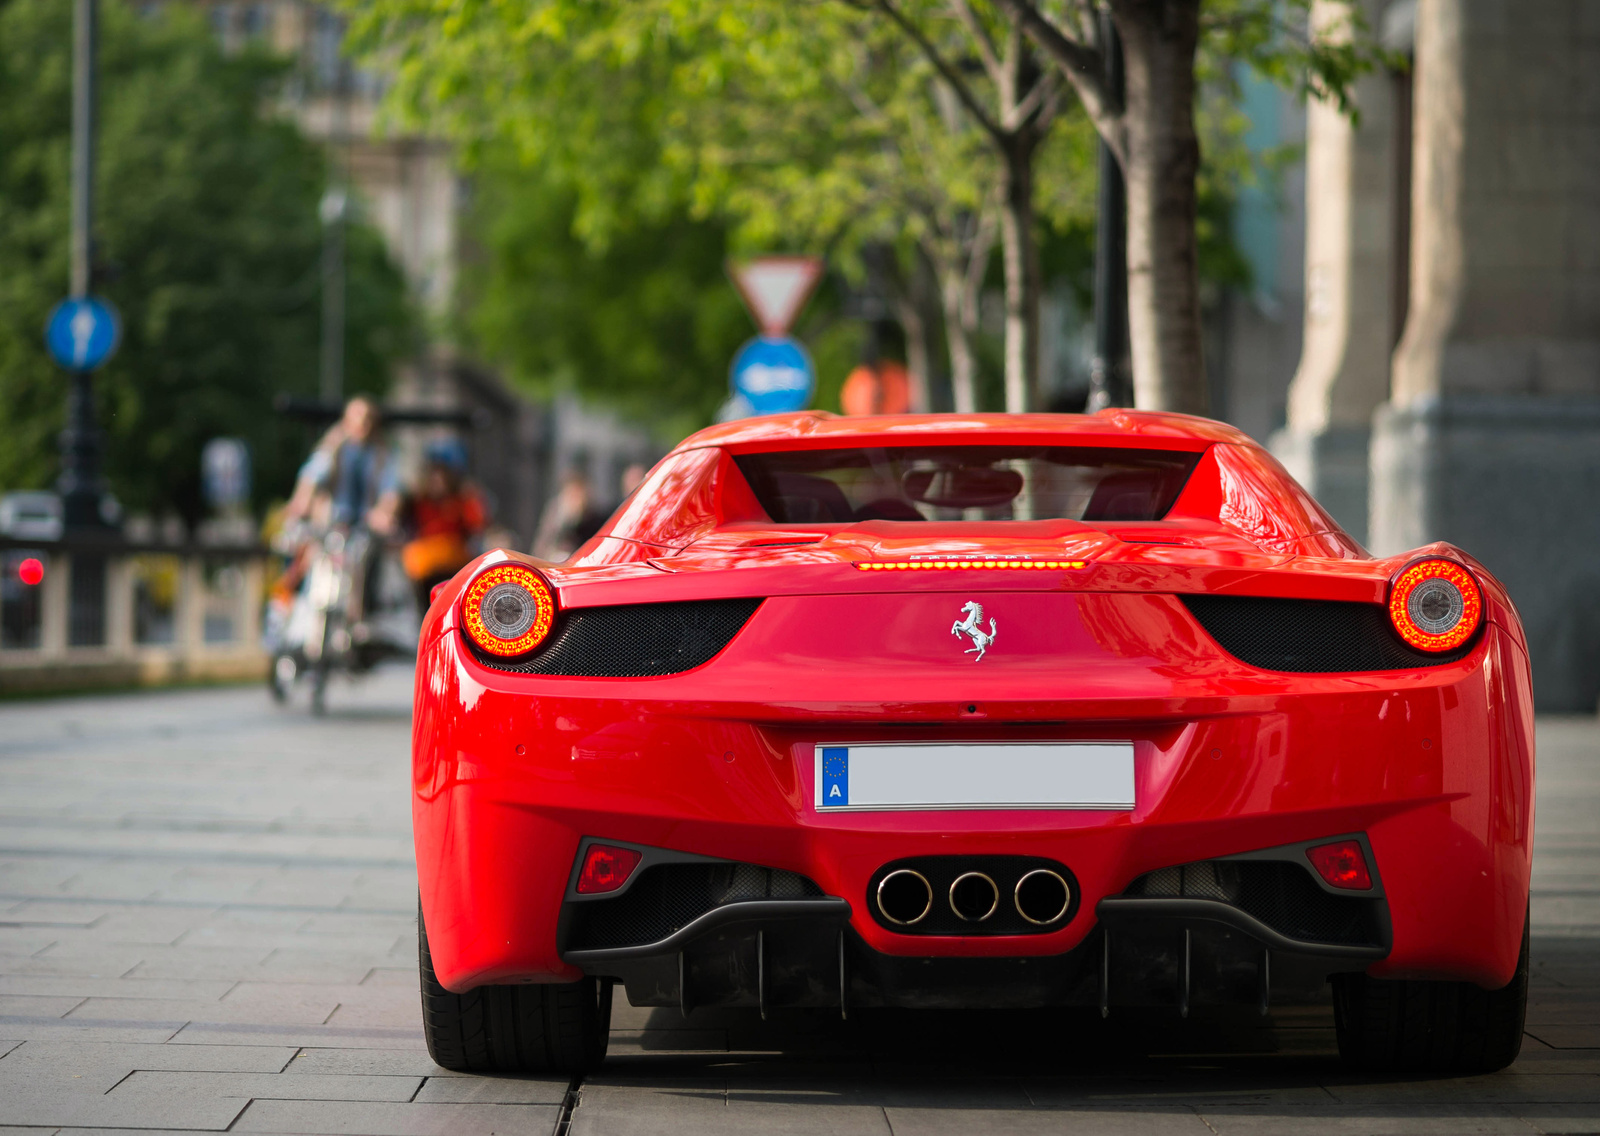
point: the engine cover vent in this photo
(1311, 636)
(634, 640)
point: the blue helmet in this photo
(448, 452)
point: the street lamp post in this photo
(1110, 383)
(334, 205)
(334, 211)
(80, 483)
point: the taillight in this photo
(1342, 864)
(606, 868)
(1435, 605)
(508, 610)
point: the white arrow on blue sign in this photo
(82, 333)
(773, 374)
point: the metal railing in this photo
(112, 613)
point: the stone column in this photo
(1344, 361)
(1491, 437)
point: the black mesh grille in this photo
(668, 897)
(635, 640)
(1311, 636)
(1280, 894)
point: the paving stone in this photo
(1156, 1120)
(57, 1057)
(110, 987)
(1436, 1121)
(273, 1086)
(289, 1012)
(250, 1033)
(55, 1029)
(1567, 1037)
(493, 1090)
(48, 1103)
(338, 1118)
(669, 1041)
(378, 1062)
(685, 1104)
(1565, 1119)
(36, 1006)
(1514, 1088)
(344, 968)
(45, 913)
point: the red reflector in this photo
(606, 868)
(1343, 865)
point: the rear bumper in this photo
(1179, 953)
(512, 772)
(690, 932)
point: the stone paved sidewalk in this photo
(207, 924)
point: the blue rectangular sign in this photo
(835, 776)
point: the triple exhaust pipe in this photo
(1042, 897)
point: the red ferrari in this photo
(973, 711)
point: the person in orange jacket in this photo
(444, 518)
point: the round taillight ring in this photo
(508, 610)
(1435, 605)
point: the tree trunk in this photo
(960, 275)
(917, 308)
(958, 335)
(1022, 274)
(1162, 162)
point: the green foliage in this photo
(207, 241)
(813, 127)
(647, 321)
(1281, 42)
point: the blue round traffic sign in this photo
(773, 374)
(82, 333)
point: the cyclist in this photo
(349, 484)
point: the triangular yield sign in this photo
(775, 288)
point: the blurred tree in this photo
(819, 126)
(645, 321)
(207, 240)
(1168, 47)
(925, 127)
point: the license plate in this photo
(960, 775)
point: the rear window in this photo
(967, 483)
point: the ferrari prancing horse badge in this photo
(972, 628)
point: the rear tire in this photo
(1405, 1026)
(546, 1028)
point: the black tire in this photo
(1404, 1026)
(552, 1028)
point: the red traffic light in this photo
(30, 571)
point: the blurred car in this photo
(31, 515)
(973, 711)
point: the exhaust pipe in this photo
(1042, 896)
(905, 897)
(974, 897)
